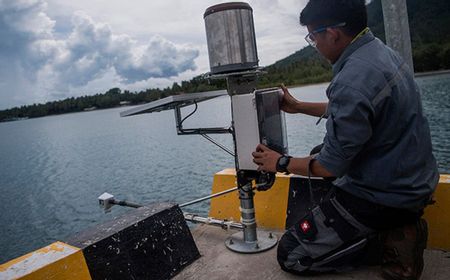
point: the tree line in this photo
(111, 98)
(307, 70)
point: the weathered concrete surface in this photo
(217, 262)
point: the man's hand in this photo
(265, 158)
(289, 104)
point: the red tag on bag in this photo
(305, 226)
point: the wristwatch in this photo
(283, 163)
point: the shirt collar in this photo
(356, 44)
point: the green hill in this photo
(430, 35)
(429, 20)
(429, 23)
(305, 66)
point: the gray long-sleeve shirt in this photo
(378, 141)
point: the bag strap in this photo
(311, 193)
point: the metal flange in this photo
(265, 241)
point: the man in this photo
(377, 145)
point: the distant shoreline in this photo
(17, 118)
(416, 75)
(431, 73)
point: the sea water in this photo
(52, 169)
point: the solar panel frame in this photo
(171, 102)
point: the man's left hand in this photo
(265, 158)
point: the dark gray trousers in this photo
(327, 238)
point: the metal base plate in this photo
(266, 240)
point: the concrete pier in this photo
(217, 262)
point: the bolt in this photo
(231, 241)
(270, 235)
(257, 246)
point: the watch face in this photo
(283, 163)
(286, 161)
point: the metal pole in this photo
(248, 213)
(396, 27)
(125, 203)
(107, 200)
(250, 240)
(213, 222)
(208, 197)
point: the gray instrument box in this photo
(258, 119)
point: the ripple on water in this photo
(53, 169)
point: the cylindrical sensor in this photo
(230, 34)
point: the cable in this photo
(190, 114)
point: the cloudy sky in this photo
(53, 49)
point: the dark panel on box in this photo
(151, 242)
(300, 199)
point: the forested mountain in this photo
(430, 35)
(305, 66)
(430, 32)
(429, 22)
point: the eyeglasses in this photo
(310, 37)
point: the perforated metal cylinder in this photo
(230, 35)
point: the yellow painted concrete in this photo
(62, 261)
(438, 216)
(271, 206)
(55, 261)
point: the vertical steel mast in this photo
(396, 26)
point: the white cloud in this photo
(159, 59)
(49, 66)
(60, 48)
(26, 17)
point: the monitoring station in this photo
(256, 116)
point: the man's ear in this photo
(334, 34)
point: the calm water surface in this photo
(53, 169)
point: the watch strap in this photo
(282, 163)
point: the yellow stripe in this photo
(55, 261)
(271, 206)
(438, 216)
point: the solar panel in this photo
(172, 102)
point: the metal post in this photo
(396, 27)
(247, 210)
(213, 222)
(250, 240)
(208, 197)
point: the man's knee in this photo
(294, 258)
(285, 245)
(291, 256)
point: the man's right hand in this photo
(289, 104)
